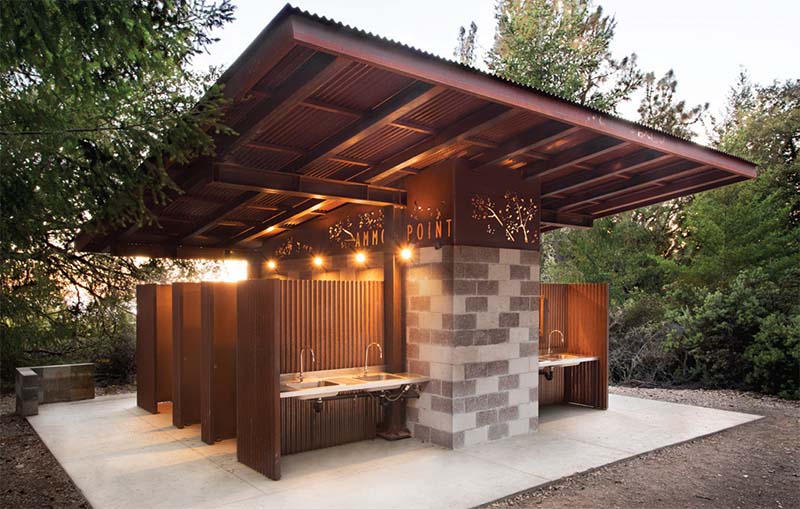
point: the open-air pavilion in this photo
(390, 205)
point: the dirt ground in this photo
(751, 466)
(29, 474)
(754, 465)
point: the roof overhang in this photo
(329, 115)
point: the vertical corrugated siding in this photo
(218, 386)
(554, 297)
(580, 311)
(258, 419)
(337, 319)
(587, 330)
(164, 347)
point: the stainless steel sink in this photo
(377, 377)
(310, 384)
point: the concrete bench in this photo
(50, 384)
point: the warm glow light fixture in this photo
(317, 261)
(406, 253)
(361, 257)
(271, 265)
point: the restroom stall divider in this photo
(218, 361)
(258, 408)
(153, 345)
(187, 354)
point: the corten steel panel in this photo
(587, 333)
(164, 353)
(337, 319)
(339, 422)
(552, 391)
(187, 353)
(153, 346)
(218, 382)
(553, 317)
(580, 311)
(258, 410)
(146, 348)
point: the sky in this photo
(706, 42)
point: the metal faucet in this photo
(550, 339)
(313, 361)
(366, 355)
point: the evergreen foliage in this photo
(95, 97)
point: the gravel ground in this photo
(29, 474)
(751, 466)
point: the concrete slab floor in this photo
(121, 456)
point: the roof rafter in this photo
(610, 170)
(472, 123)
(675, 189)
(408, 99)
(555, 218)
(304, 186)
(531, 139)
(640, 181)
(576, 155)
(317, 70)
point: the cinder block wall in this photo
(472, 326)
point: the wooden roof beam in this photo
(471, 124)
(316, 71)
(677, 188)
(571, 157)
(398, 106)
(265, 181)
(610, 170)
(274, 223)
(210, 221)
(572, 220)
(532, 139)
(640, 181)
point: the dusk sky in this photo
(706, 42)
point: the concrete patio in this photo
(121, 456)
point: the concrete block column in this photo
(472, 326)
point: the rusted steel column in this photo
(255, 268)
(394, 425)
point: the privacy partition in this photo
(153, 345)
(276, 321)
(574, 320)
(187, 354)
(218, 362)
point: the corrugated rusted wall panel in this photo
(218, 385)
(554, 299)
(587, 332)
(146, 348)
(258, 418)
(337, 319)
(552, 391)
(339, 422)
(187, 354)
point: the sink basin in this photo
(557, 356)
(309, 384)
(377, 377)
